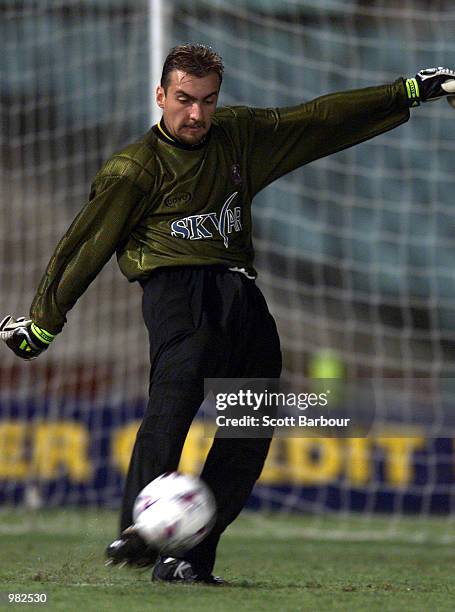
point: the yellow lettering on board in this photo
(12, 450)
(196, 448)
(399, 470)
(275, 471)
(61, 448)
(122, 445)
(358, 460)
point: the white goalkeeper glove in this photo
(24, 338)
(430, 84)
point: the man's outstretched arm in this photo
(101, 226)
(283, 139)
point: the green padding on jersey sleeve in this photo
(42, 334)
(412, 92)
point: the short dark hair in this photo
(197, 60)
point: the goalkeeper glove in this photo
(430, 84)
(24, 338)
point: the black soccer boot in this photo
(170, 569)
(131, 549)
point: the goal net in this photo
(354, 251)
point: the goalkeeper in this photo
(175, 207)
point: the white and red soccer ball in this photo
(174, 512)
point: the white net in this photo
(354, 251)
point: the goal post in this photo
(158, 32)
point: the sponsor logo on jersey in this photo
(200, 227)
(179, 198)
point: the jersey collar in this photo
(163, 134)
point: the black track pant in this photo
(203, 322)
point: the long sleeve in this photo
(282, 139)
(115, 206)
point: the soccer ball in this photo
(174, 512)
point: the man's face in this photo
(188, 105)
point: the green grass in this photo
(283, 563)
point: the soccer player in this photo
(176, 208)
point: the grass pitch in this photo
(280, 563)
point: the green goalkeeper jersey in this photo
(160, 203)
